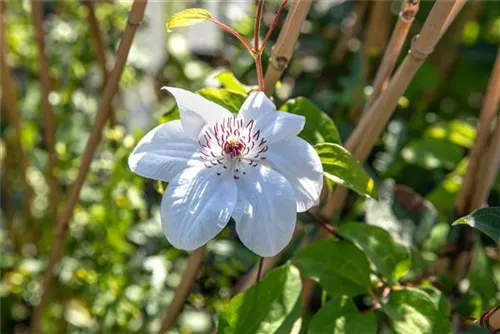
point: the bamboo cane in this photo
(409, 9)
(182, 291)
(285, 45)
(48, 113)
(374, 120)
(9, 102)
(135, 17)
(486, 116)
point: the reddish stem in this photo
(258, 19)
(235, 34)
(329, 228)
(273, 25)
(260, 72)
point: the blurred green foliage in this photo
(118, 273)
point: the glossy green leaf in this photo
(230, 100)
(340, 316)
(456, 132)
(486, 220)
(271, 306)
(341, 167)
(319, 127)
(432, 153)
(188, 17)
(229, 81)
(391, 258)
(339, 266)
(413, 311)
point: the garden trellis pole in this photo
(282, 50)
(376, 117)
(135, 17)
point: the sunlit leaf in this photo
(340, 316)
(229, 81)
(341, 167)
(228, 99)
(432, 153)
(339, 266)
(271, 306)
(412, 310)
(456, 132)
(188, 17)
(319, 127)
(486, 220)
(391, 258)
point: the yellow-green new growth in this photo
(188, 17)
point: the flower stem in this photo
(329, 228)
(258, 19)
(235, 34)
(260, 72)
(273, 25)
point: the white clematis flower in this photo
(252, 167)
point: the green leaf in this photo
(486, 220)
(339, 266)
(340, 166)
(319, 127)
(230, 100)
(402, 212)
(188, 17)
(456, 132)
(271, 306)
(432, 153)
(413, 311)
(229, 81)
(340, 316)
(391, 258)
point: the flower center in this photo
(232, 146)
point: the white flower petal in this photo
(196, 111)
(274, 125)
(163, 152)
(197, 206)
(299, 163)
(266, 212)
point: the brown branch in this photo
(182, 291)
(9, 103)
(285, 45)
(486, 116)
(48, 113)
(376, 117)
(349, 26)
(489, 170)
(100, 49)
(135, 17)
(409, 9)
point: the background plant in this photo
(117, 272)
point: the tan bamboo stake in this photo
(9, 102)
(350, 25)
(459, 4)
(374, 120)
(182, 291)
(409, 9)
(99, 48)
(377, 29)
(488, 172)
(48, 113)
(135, 17)
(486, 117)
(285, 45)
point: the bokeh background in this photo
(118, 271)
